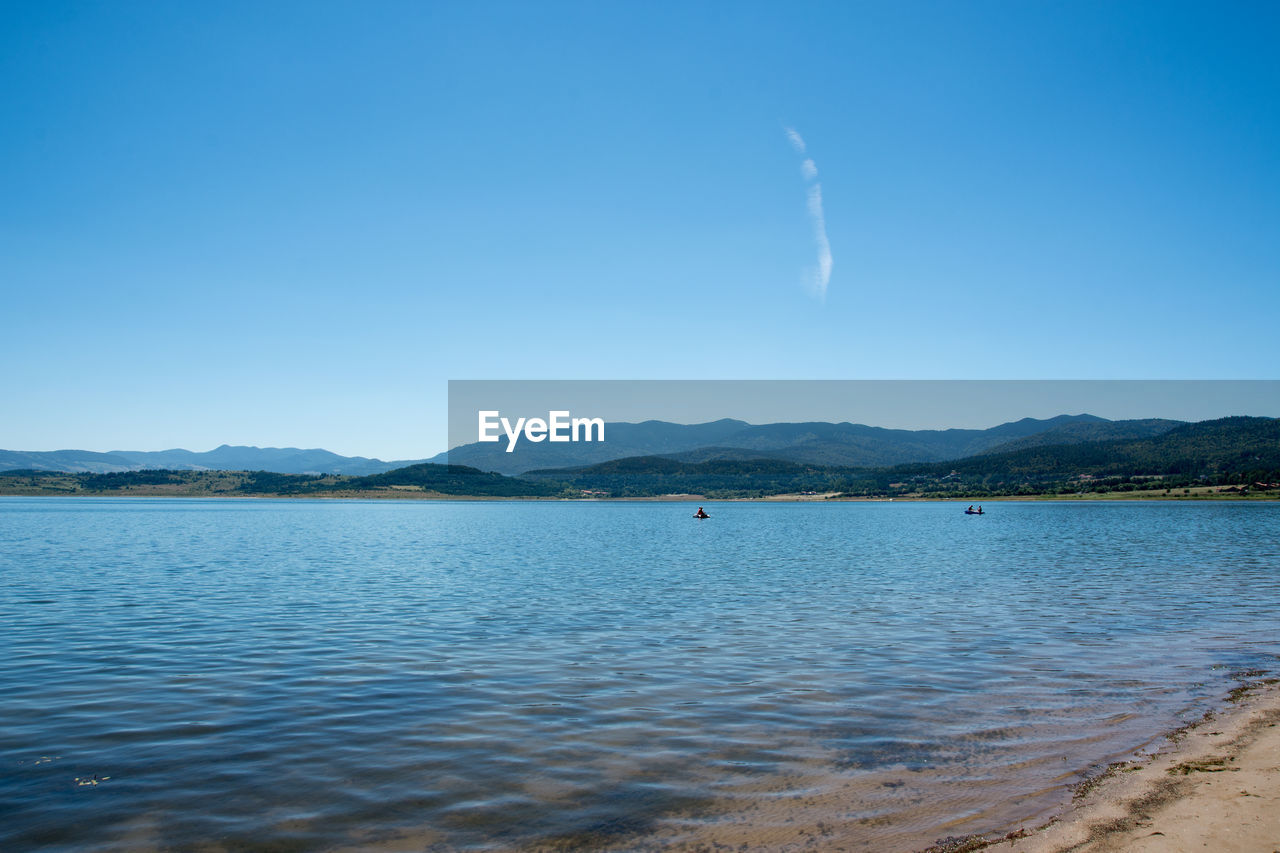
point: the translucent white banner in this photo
(519, 425)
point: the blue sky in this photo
(292, 223)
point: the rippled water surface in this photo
(467, 676)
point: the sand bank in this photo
(1215, 787)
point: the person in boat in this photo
(979, 509)
(700, 514)
(970, 509)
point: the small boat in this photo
(974, 512)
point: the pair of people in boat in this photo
(971, 509)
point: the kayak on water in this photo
(700, 513)
(974, 512)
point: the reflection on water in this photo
(302, 674)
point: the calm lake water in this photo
(480, 676)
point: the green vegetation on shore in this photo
(1242, 454)
(414, 481)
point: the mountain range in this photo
(1238, 450)
(1239, 455)
(812, 443)
(281, 460)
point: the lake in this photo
(289, 674)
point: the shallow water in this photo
(476, 676)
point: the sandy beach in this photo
(1214, 786)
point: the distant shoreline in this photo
(1207, 496)
(1228, 458)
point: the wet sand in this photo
(1215, 787)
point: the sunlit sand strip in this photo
(1216, 787)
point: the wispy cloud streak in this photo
(821, 276)
(797, 141)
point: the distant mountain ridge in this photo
(1239, 455)
(812, 443)
(1080, 432)
(1242, 450)
(281, 460)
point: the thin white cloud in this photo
(797, 141)
(821, 276)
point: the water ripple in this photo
(302, 675)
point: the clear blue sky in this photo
(291, 223)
